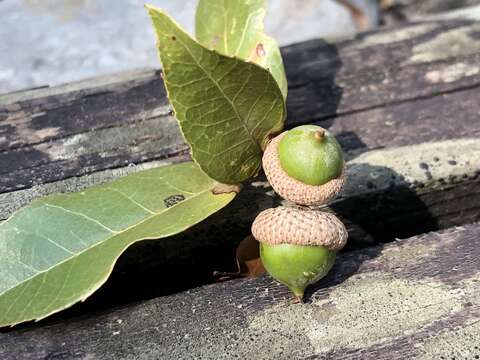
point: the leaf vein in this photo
(229, 148)
(65, 279)
(222, 92)
(130, 199)
(26, 282)
(46, 238)
(83, 216)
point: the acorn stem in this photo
(297, 299)
(297, 294)
(319, 134)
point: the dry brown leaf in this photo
(248, 260)
(248, 257)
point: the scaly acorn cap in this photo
(293, 189)
(286, 225)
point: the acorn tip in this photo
(298, 298)
(319, 134)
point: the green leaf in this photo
(235, 27)
(60, 249)
(227, 108)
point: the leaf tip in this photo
(148, 6)
(153, 10)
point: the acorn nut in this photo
(298, 246)
(305, 165)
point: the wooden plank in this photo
(129, 123)
(391, 193)
(157, 138)
(408, 188)
(53, 134)
(417, 298)
(411, 10)
(420, 169)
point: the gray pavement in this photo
(49, 42)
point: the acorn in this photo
(298, 246)
(305, 165)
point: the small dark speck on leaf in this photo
(173, 200)
(174, 37)
(452, 162)
(436, 159)
(260, 50)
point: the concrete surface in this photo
(48, 42)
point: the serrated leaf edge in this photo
(261, 145)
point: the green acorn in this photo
(298, 246)
(305, 165)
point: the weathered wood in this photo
(391, 193)
(416, 298)
(410, 10)
(123, 120)
(467, 12)
(49, 135)
(384, 89)
(404, 105)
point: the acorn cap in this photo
(292, 189)
(285, 225)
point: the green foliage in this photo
(60, 249)
(226, 107)
(235, 28)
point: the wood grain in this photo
(367, 90)
(404, 105)
(375, 303)
(52, 134)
